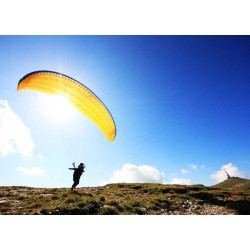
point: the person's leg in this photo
(76, 183)
(72, 187)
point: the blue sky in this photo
(180, 103)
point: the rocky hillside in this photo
(234, 183)
(125, 199)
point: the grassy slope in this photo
(234, 183)
(125, 199)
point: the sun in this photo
(58, 108)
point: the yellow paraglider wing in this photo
(80, 96)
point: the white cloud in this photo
(184, 171)
(193, 166)
(35, 171)
(180, 181)
(103, 183)
(131, 173)
(221, 175)
(14, 136)
(40, 156)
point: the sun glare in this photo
(58, 108)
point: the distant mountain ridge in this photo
(234, 183)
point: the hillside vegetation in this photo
(234, 183)
(126, 199)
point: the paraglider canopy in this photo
(80, 96)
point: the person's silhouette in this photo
(77, 174)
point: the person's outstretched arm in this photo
(72, 168)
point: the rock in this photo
(44, 195)
(200, 202)
(3, 202)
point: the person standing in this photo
(77, 174)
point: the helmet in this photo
(81, 165)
